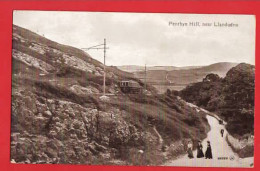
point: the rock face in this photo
(60, 116)
(231, 97)
(58, 131)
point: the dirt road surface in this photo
(223, 156)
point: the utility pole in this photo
(104, 83)
(145, 78)
(97, 47)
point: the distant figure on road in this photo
(189, 150)
(199, 150)
(208, 153)
(222, 132)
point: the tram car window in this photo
(130, 87)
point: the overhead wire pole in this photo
(104, 83)
(104, 64)
(145, 78)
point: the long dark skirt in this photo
(208, 153)
(190, 153)
(200, 153)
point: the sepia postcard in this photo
(137, 89)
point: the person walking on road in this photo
(222, 132)
(208, 153)
(199, 150)
(189, 150)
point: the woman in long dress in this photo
(189, 150)
(208, 153)
(200, 153)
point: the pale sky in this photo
(147, 38)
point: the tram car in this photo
(130, 87)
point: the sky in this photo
(148, 38)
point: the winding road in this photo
(223, 156)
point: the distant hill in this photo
(232, 97)
(195, 75)
(220, 68)
(59, 113)
(137, 68)
(177, 78)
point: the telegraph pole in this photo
(145, 78)
(104, 83)
(97, 47)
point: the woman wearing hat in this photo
(208, 153)
(199, 150)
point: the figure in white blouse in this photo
(189, 150)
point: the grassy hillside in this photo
(59, 117)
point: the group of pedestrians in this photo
(200, 154)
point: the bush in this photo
(244, 148)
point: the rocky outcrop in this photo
(31, 61)
(58, 131)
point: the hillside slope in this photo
(58, 116)
(231, 97)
